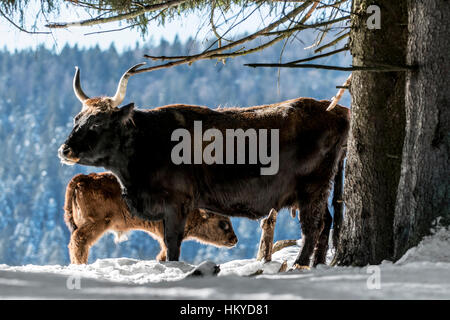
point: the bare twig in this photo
(234, 54)
(19, 27)
(213, 25)
(321, 36)
(332, 43)
(112, 30)
(90, 6)
(245, 52)
(335, 5)
(119, 17)
(126, 27)
(300, 27)
(218, 51)
(337, 68)
(311, 10)
(345, 48)
(281, 244)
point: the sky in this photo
(11, 38)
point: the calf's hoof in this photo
(297, 266)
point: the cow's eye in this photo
(95, 126)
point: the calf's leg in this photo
(82, 239)
(162, 255)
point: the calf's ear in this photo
(203, 213)
(126, 112)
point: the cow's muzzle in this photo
(67, 156)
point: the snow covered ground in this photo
(423, 273)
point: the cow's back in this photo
(308, 135)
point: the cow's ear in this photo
(126, 112)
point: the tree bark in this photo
(376, 135)
(424, 188)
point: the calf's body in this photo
(94, 205)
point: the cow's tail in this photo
(338, 202)
(69, 203)
(338, 194)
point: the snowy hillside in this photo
(423, 273)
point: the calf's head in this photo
(96, 133)
(211, 228)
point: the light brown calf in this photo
(94, 205)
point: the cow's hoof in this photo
(297, 266)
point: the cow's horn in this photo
(122, 87)
(77, 86)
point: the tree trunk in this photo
(376, 135)
(424, 188)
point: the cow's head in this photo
(96, 132)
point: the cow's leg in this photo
(174, 223)
(162, 255)
(310, 225)
(82, 239)
(311, 220)
(320, 252)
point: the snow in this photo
(422, 273)
(431, 249)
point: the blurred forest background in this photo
(37, 106)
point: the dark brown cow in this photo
(137, 145)
(94, 205)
